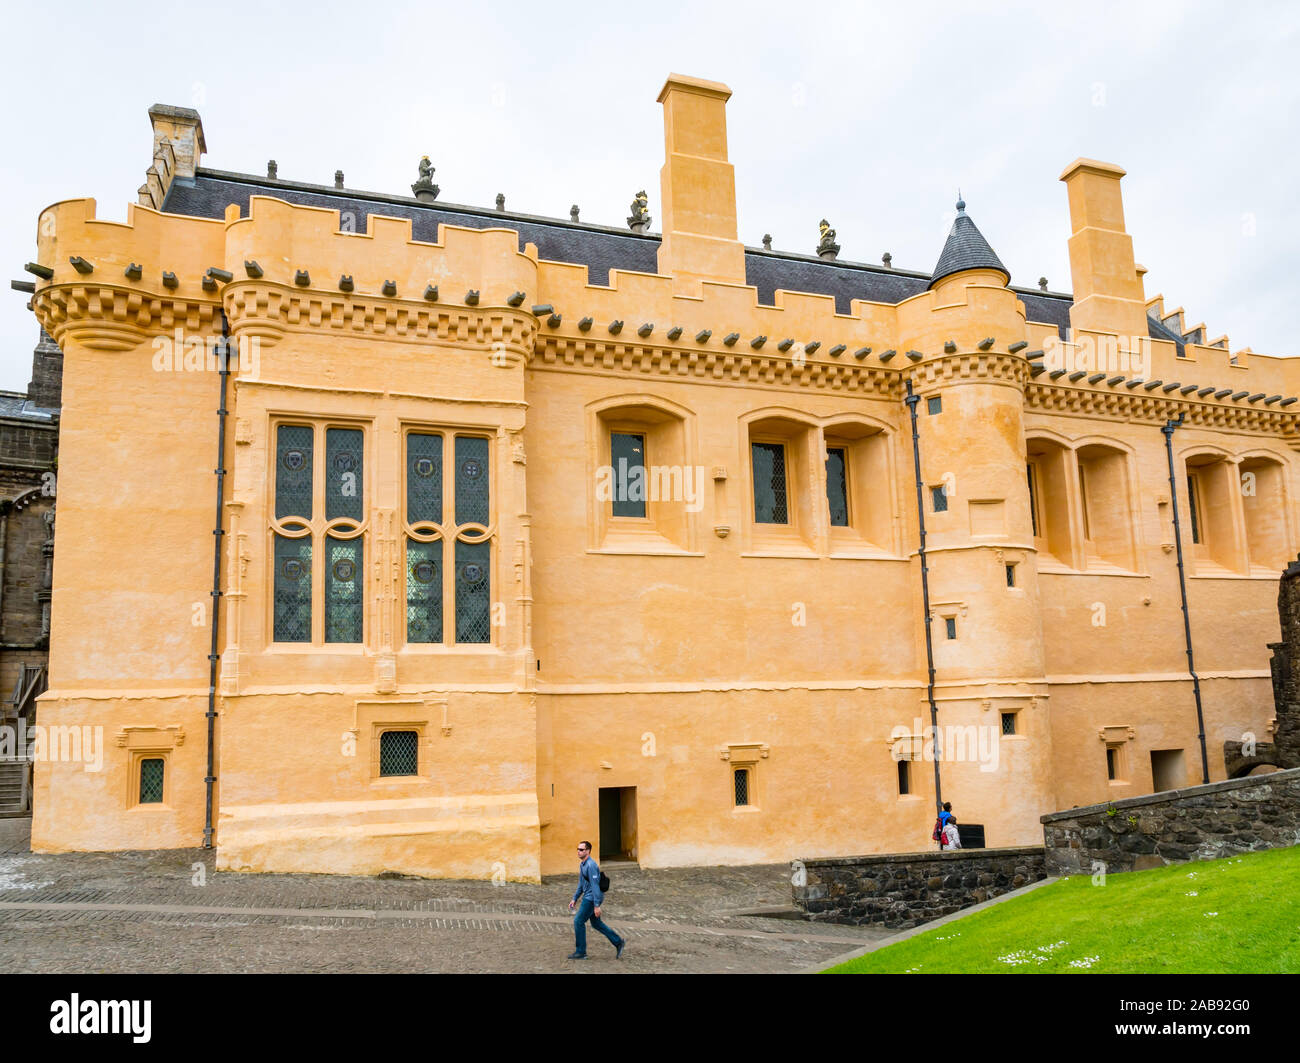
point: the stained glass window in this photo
(423, 478)
(471, 480)
(473, 592)
(293, 471)
(770, 506)
(151, 781)
(292, 589)
(627, 462)
(399, 753)
(423, 591)
(344, 583)
(837, 488)
(343, 474)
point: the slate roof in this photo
(965, 249)
(1157, 330)
(600, 248)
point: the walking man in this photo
(590, 894)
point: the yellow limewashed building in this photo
(524, 529)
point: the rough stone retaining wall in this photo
(902, 890)
(1194, 823)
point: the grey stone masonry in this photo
(901, 890)
(1195, 823)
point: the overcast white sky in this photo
(871, 115)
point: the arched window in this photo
(645, 484)
(1264, 505)
(1104, 506)
(1048, 467)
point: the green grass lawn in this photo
(1244, 917)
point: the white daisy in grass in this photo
(1211, 913)
(1190, 893)
(1084, 962)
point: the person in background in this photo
(951, 839)
(590, 894)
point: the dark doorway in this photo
(618, 823)
(1168, 771)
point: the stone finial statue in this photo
(573, 212)
(888, 260)
(767, 241)
(640, 218)
(272, 168)
(501, 201)
(338, 178)
(424, 189)
(827, 247)
(1042, 283)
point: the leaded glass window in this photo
(423, 478)
(472, 480)
(939, 498)
(318, 579)
(627, 462)
(343, 583)
(151, 781)
(837, 488)
(423, 591)
(741, 779)
(292, 589)
(473, 592)
(343, 474)
(448, 577)
(1008, 723)
(399, 753)
(293, 471)
(770, 502)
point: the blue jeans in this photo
(586, 911)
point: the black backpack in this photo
(604, 882)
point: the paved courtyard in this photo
(143, 912)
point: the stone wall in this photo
(1195, 823)
(901, 890)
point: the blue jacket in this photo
(589, 882)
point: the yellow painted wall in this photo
(660, 654)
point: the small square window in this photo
(904, 777)
(1008, 723)
(950, 624)
(939, 498)
(741, 779)
(151, 781)
(934, 404)
(399, 753)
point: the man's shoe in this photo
(577, 956)
(618, 949)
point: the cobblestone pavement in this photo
(144, 912)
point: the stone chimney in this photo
(177, 148)
(698, 187)
(1108, 293)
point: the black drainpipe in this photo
(912, 400)
(1168, 431)
(223, 366)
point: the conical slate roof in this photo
(965, 249)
